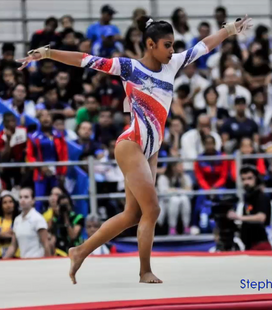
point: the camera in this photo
(63, 208)
(220, 206)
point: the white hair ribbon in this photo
(149, 22)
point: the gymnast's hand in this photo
(242, 25)
(25, 61)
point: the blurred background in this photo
(222, 107)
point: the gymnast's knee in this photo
(152, 214)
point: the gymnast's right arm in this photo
(12, 248)
(115, 66)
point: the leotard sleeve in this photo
(116, 66)
(181, 60)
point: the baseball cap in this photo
(108, 9)
(240, 100)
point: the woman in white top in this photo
(172, 181)
(30, 230)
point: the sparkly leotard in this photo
(149, 93)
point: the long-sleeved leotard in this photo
(149, 93)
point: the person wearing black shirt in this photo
(66, 226)
(256, 211)
(237, 127)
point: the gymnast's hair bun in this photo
(143, 22)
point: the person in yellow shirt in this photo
(8, 212)
(53, 198)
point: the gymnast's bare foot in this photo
(76, 261)
(149, 277)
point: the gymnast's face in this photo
(163, 49)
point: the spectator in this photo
(256, 212)
(44, 145)
(59, 125)
(67, 226)
(92, 224)
(246, 148)
(196, 82)
(52, 205)
(107, 46)
(260, 111)
(192, 141)
(94, 31)
(7, 61)
(18, 102)
(30, 230)
(179, 46)
(9, 81)
(43, 77)
(174, 180)
(220, 15)
(52, 103)
(257, 70)
(12, 149)
(238, 127)
(211, 174)
(181, 27)
(90, 111)
(263, 38)
(67, 21)
(105, 130)
(65, 91)
(8, 212)
(217, 115)
(133, 46)
(137, 13)
(204, 30)
(85, 139)
(174, 135)
(68, 41)
(230, 90)
(46, 35)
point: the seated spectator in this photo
(220, 16)
(66, 227)
(211, 174)
(7, 61)
(8, 212)
(105, 130)
(68, 42)
(12, 149)
(181, 27)
(85, 139)
(67, 21)
(44, 76)
(107, 45)
(247, 148)
(179, 46)
(44, 145)
(230, 90)
(216, 115)
(192, 142)
(133, 45)
(94, 31)
(173, 136)
(204, 30)
(30, 230)
(46, 35)
(174, 180)
(109, 92)
(90, 111)
(7, 83)
(260, 111)
(52, 204)
(65, 91)
(257, 70)
(18, 102)
(238, 127)
(92, 224)
(197, 84)
(52, 103)
(59, 125)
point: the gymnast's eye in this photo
(167, 45)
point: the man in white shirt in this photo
(30, 230)
(196, 82)
(230, 90)
(192, 141)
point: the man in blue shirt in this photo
(94, 31)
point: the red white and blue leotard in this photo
(149, 93)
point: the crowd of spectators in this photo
(222, 104)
